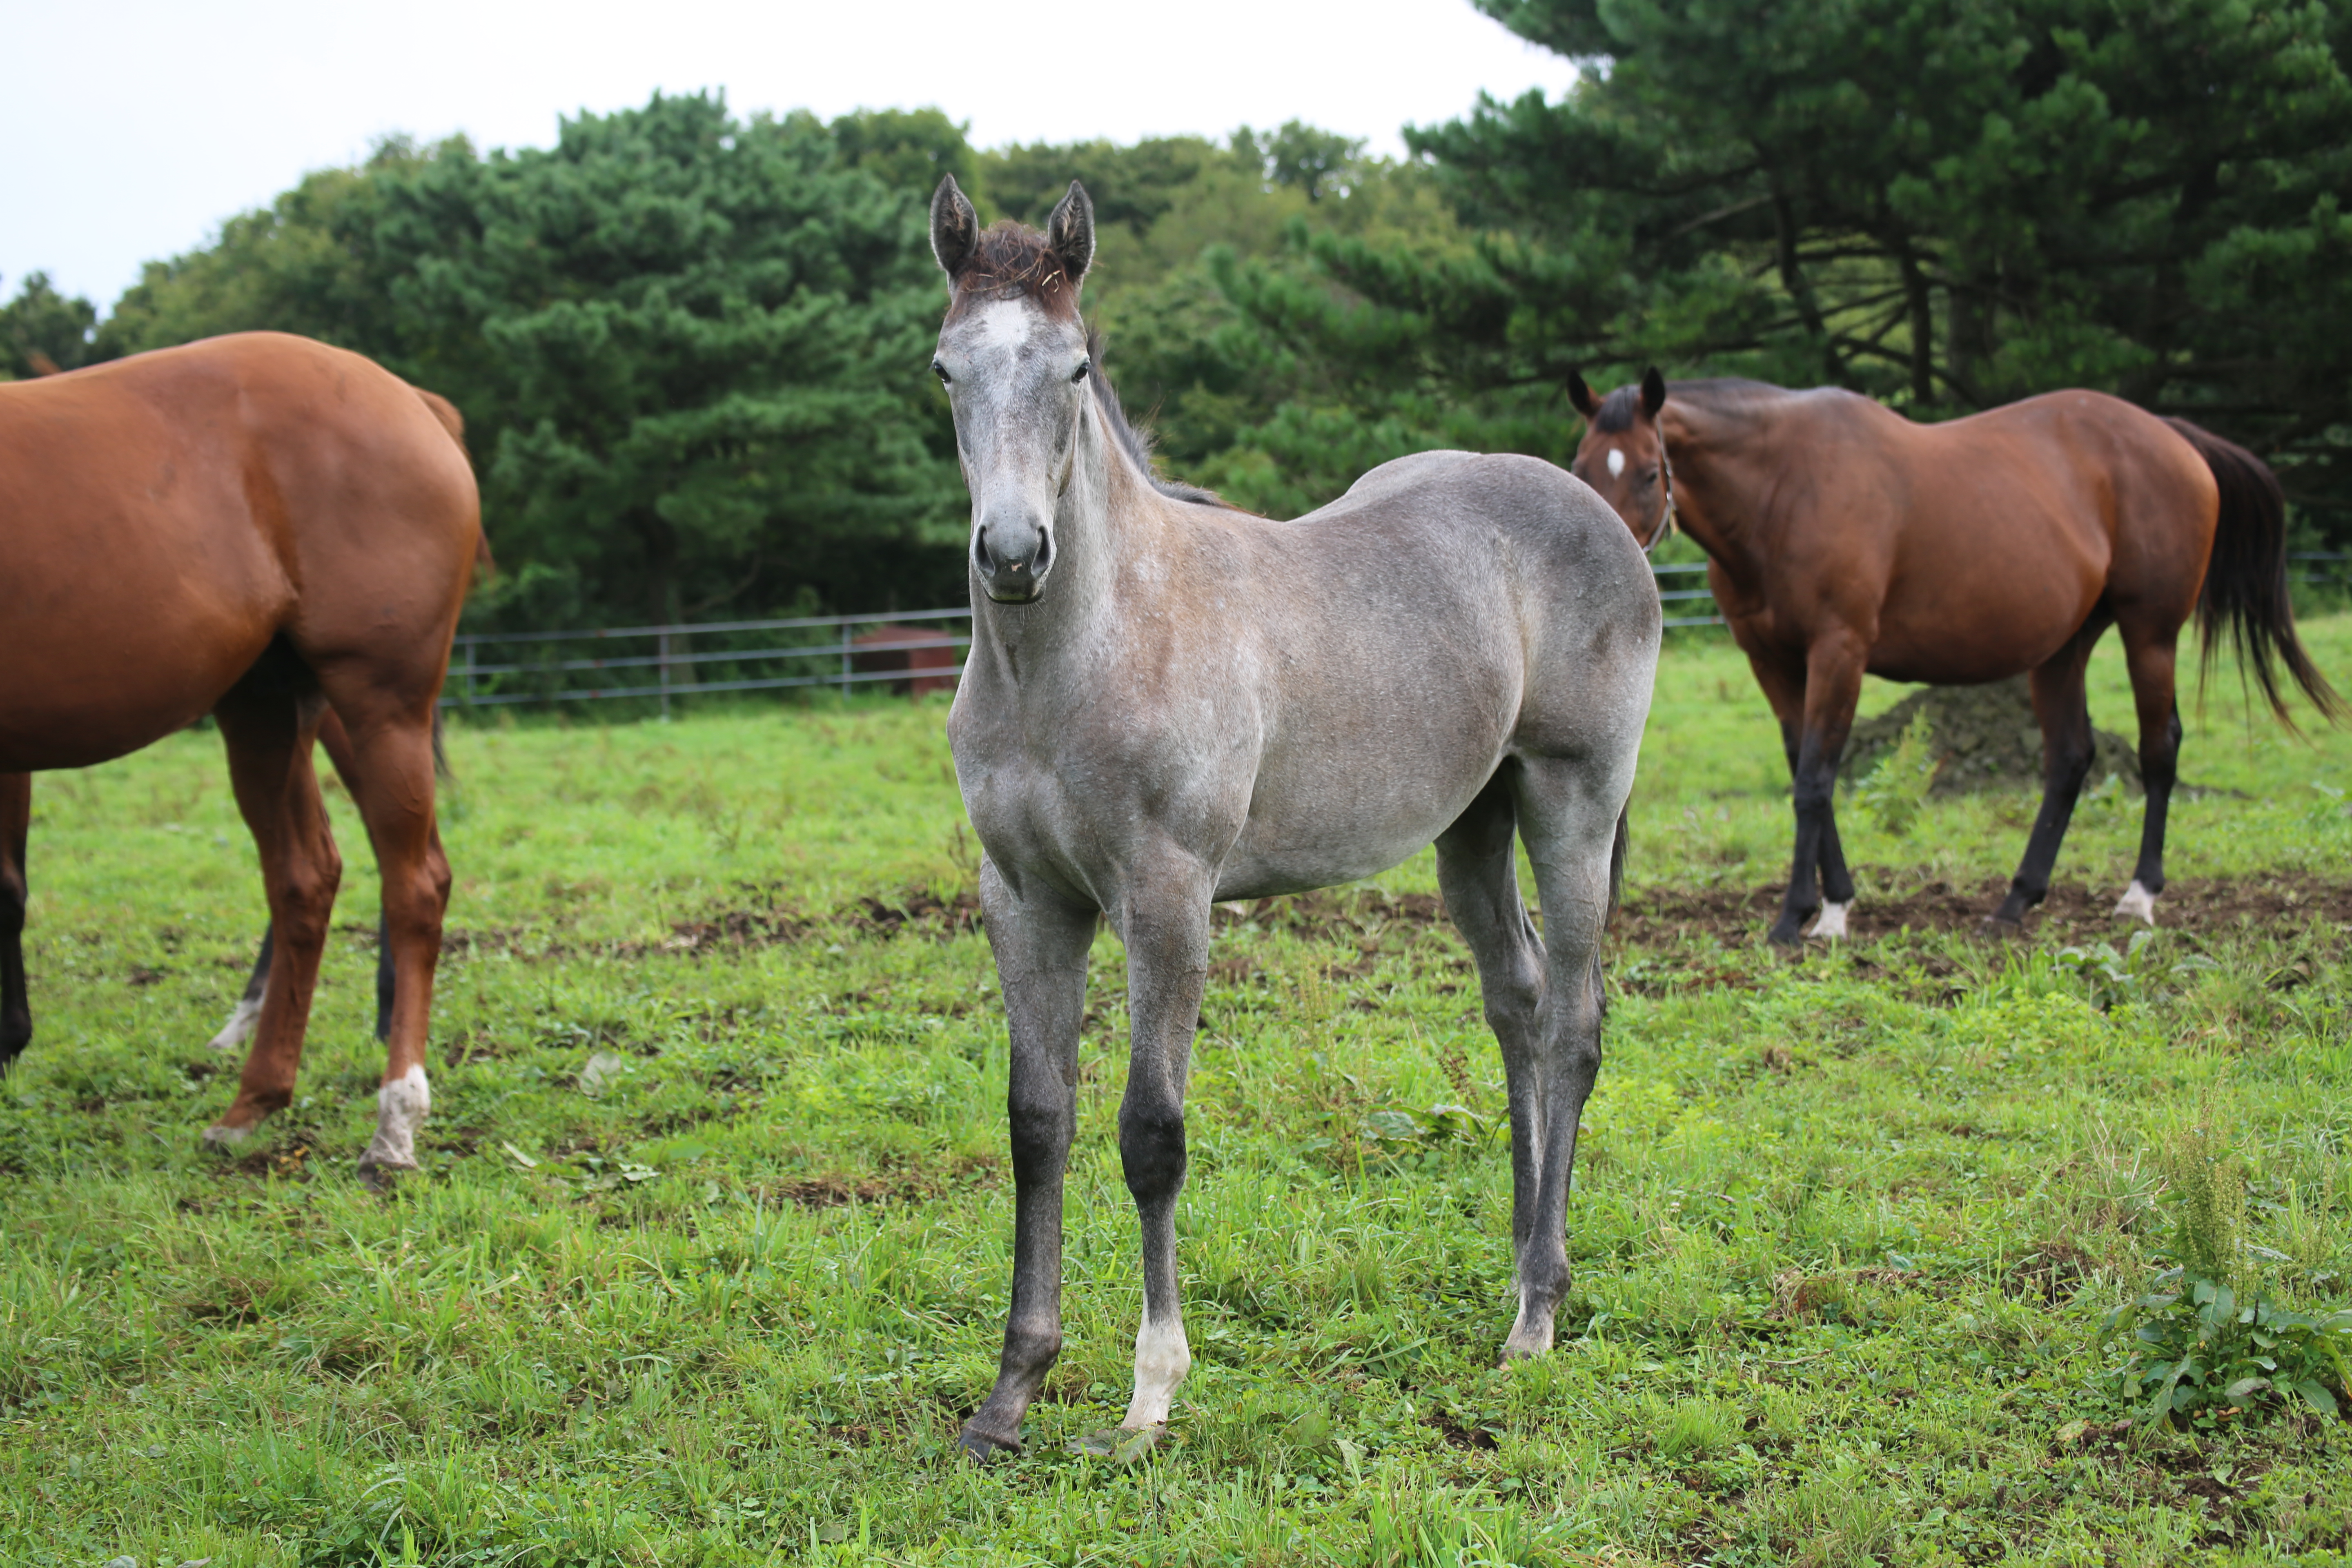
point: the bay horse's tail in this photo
(2245, 595)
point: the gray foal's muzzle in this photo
(1012, 553)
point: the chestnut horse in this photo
(261, 528)
(1842, 538)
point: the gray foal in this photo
(1170, 703)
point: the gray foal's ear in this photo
(1653, 392)
(1071, 232)
(955, 227)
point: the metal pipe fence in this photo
(499, 668)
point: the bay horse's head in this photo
(1624, 457)
(1013, 355)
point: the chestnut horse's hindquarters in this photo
(286, 530)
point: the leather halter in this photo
(1666, 529)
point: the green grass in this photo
(1844, 1228)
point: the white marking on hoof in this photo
(239, 1027)
(401, 1107)
(223, 1137)
(2137, 903)
(1831, 926)
(1161, 1360)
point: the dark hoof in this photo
(980, 1448)
(1789, 935)
(2000, 928)
(378, 1178)
(1119, 1444)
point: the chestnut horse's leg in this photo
(247, 1011)
(1040, 943)
(269, 723)
(392, 783)
(16, 1007)
(2151, 658)
(1784, 687)
(1834, 670)
(2066, 751)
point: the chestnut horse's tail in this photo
(2245, 595)
(485, 567)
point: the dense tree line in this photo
(690, 344)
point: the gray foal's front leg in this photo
(1040, 941)
(1166, 927)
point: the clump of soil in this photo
(1985, 736)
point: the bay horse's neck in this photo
(1721, 458)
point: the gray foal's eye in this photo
(942, 372)
(1079, 374)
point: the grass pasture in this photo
(712, 1248)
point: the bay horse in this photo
(1842, 538)
(265, 528)
(1170, 703)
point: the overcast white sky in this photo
(130, 128)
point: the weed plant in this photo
(711, 1251)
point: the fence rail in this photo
(848, 660)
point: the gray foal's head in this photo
(1013, 357)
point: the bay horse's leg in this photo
(1040, 943)
(2151, 658)
(247, 1011)
(391, 779)
(1478, 873)
(268, 726)
(1575, 844)
(2059, 705)
(1834, 670)
(1166, 928)
(1784, 688)
(15, 1003)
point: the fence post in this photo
(662, 651)
(845, 661)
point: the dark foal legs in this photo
(2150, 659)
(1834, 670)
(1040, 943)
(2066, 751)
(16, 1006)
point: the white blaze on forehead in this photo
(1004, 324)
(1616, 461)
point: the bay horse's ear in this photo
(1653, 393)
(955, 227)
(1580, 396)
(1071, 232)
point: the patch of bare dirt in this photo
(2073, 913)
(1984, 737)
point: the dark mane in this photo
(1618, 409)
(1135, 443)
(1010, 262)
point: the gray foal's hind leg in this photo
(1478, 873)
(1040, 944)
(1575, 842)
